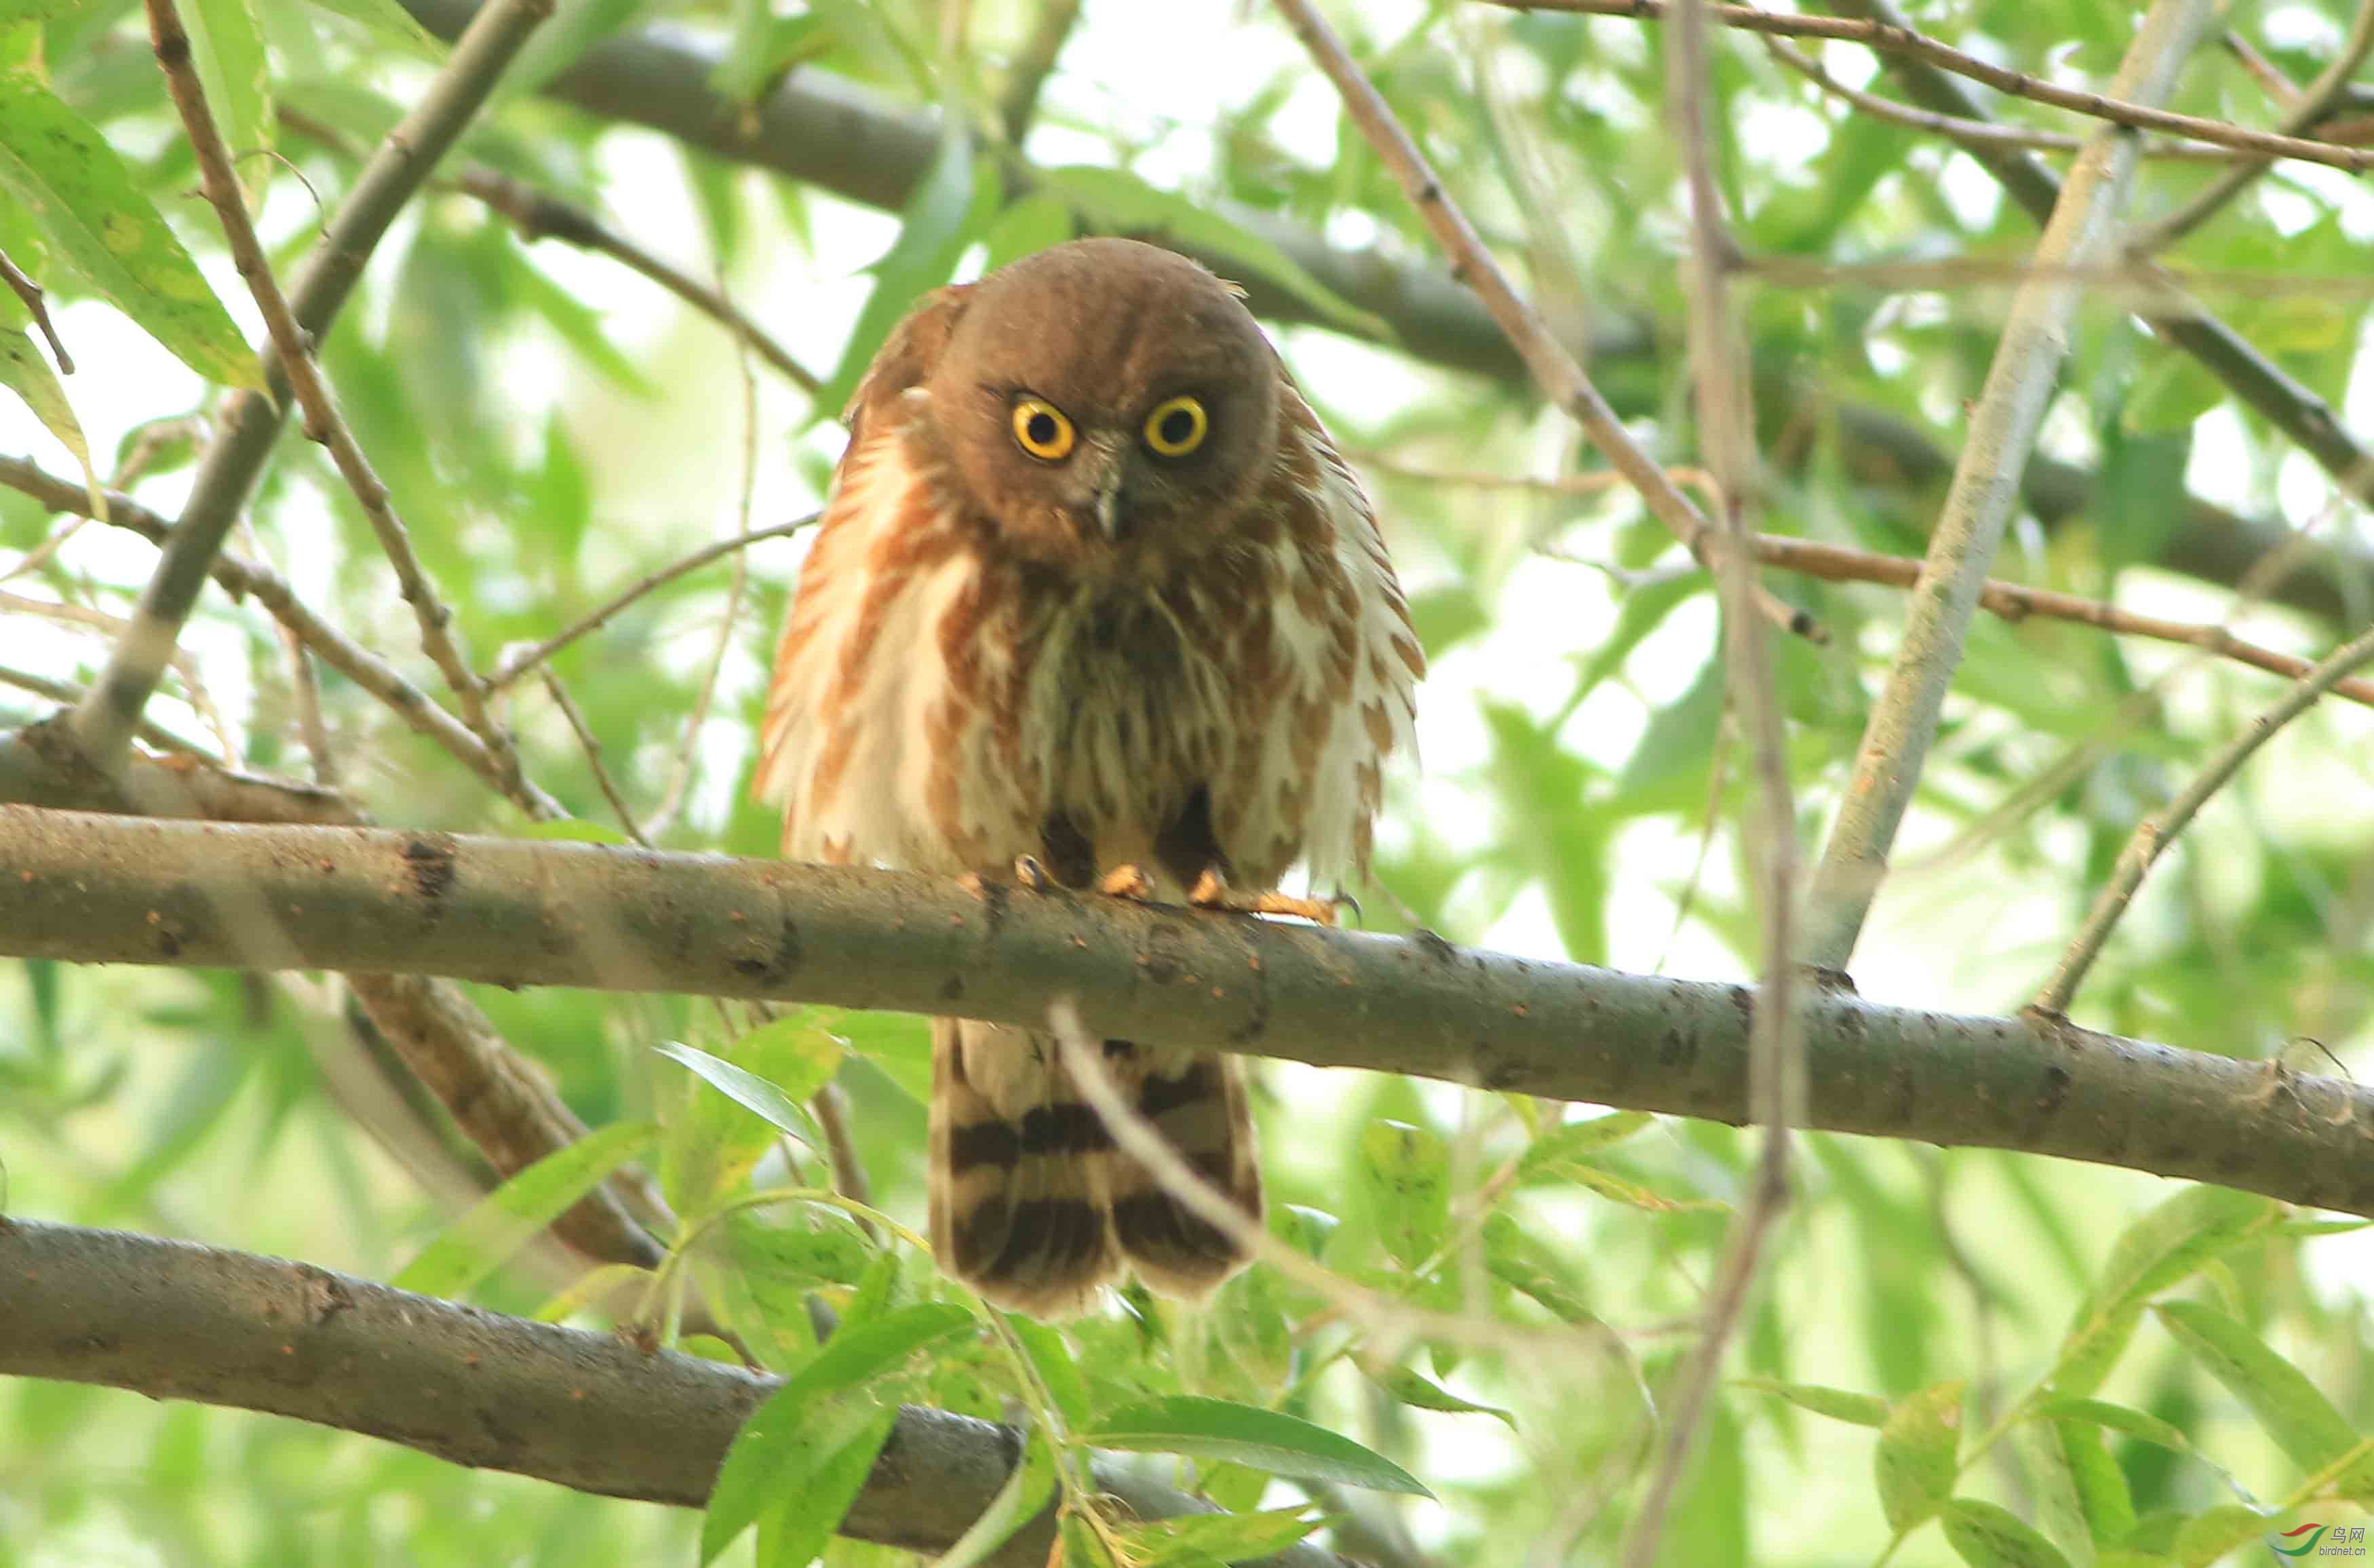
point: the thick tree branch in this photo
(2004, 425)
(104, 889)
(176, 1321)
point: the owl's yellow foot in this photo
(1126, 882)
(1030, 873)
(1212, 891)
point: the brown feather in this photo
(1186, 663)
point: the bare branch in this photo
(240, 578)
(2003, 429)
(2263, 385)
(1898, 39)
(2157, 831)
(323, 421)
(67, 693)
(176, 1321)
(82, 888)
(102, 724)
(35, 305)
(1559, 374)
(2302, 115)
(1034, 63)
(1972, 133)
(1775, 1061)
(541, 215)
(515, 665)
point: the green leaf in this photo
(504, 1220)
(800, 1525)
(1409, 1173)
(2103, 1496)
(1988, 1537)
(789, 1469)
(1914, 1461)
(390, 23)
(1120, 201)
(1838, 1404)
(2304, 1423)
(2118, 1418)
(2207, 1537)
(2154, 1252)
(1035, 223)
(1575, 1139)
(860, 1351)
(1017, 1503)
(227, 48)
(82, 197)
(1223, 1538)
(25, 373)
(933, 232)
(1412, 1387)
(587, 1288)
(746, 1089)
(1052, 1357)
(1264, 1440)
(795, 1053)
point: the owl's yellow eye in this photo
(1177, 427)
(1041, 430)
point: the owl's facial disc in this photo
(1108, 406)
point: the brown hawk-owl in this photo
(1094, 601)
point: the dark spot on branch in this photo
(2057, 1079)
(173, 50)
(429, 862)
(952, 987)
(1676, 1052)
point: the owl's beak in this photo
(1107, 468)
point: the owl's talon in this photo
(1212, 891)
(1126, 882)
(1030, 873)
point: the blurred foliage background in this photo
(554, 426)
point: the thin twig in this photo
(517, 664)
(2003, 429)
(102, 725)
(1562, 378)
(1775, 1065)
(1889, 39)
(2263, 386)
(1032, 64)
(37, 305)
(540, 216)
(2308, 107)
(1973, 132)
(592, 750)
(240, 578)
(831, 1108)
(2011, 601)
(66, 694)
(688, 751)
(2157, 832)
(323, 421)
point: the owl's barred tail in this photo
(1033, 1206)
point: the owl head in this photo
(1105, 405)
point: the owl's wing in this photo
(1310, 778)
(869, 746)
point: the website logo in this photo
(2319, 1540)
